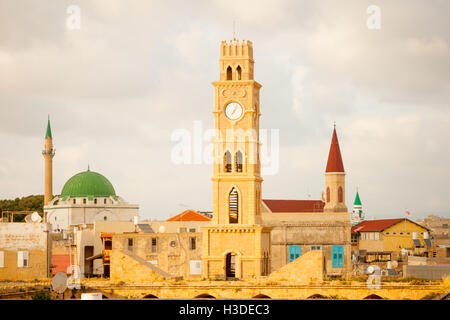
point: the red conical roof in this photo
(334, 158)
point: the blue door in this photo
(294, 252)
(337, 256)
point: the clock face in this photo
(233, 110)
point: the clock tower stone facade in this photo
(236, 245)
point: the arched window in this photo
(238, 73)
(227, 161)
(229, 73)
(233, 206)
(340, 195)
(238, 161)
(328, 194)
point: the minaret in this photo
(48, 154)
(358, 215)
(335, 179)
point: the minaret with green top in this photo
(357, 215)
(48, 154)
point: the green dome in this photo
(88, 183)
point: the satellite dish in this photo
(59, 282)
(162, 229)
(28, 218)
(35, 217)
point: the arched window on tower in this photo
(238, 161)
(328, 194)
(227, 161)
(340, 195)
(229, 73)
(238, 73)
(233, 206)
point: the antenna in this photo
(234, 30)
(59, 282)
(35, 217)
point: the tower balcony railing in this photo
(50, 152)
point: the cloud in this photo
(118, 87)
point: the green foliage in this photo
(42, 295)
(28, 203)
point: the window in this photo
(22, 259)
(337, 256)
(105, 218)
(130, 244)
(196, 267)
(74, 201)
(183, 229)
(238, 73)
(445, 225)
(227, 161)
(387, 233)
(229, 73)
(394, 232)
(108, 245)
(95, 201)
(154, 247)
(408, 233)
(84, 201)
(2, 259)
(238, 161)
(294, 252)
(340, 195)
(104, 201)
(401, 233)
(192, 230)
(233, 206)
(192, 243)
(173, 243)
(328, 194)
(315, 247)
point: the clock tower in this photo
(236, 245)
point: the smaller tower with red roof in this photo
(335, 179)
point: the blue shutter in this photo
(337, 256)
(294, 252)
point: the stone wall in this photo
(127, 266)
(305, 269)
(28, 237)
(426, 272)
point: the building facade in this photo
(25, 251)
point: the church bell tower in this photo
(235, 244)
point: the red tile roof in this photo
(335, 163)
(189, 215)
(295, 205)
(375, 225)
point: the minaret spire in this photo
(48, 154)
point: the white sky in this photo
(136, 71)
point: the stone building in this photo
(391, 239)
(25, 251)
(439, 228)
(249, 237)
(300, 226)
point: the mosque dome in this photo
(88, 183)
